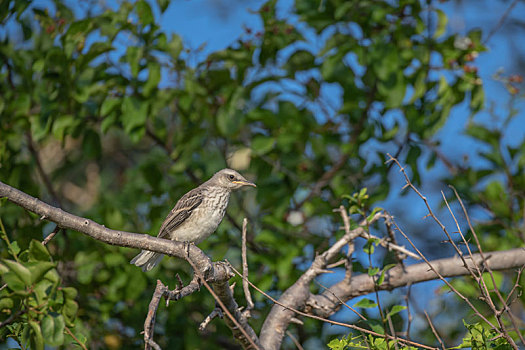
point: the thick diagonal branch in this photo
(101, 233)
(215, 273)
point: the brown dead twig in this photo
(290, 301)
(162, 290)
(436, 334)
(245, 286)
(346, 325)
(475, 272)
(242, 332)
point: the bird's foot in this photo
(187, 246)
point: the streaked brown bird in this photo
(197, 214)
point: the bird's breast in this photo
(205, 219)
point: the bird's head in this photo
(230, 179)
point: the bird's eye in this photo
(231, 177)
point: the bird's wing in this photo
(181, 212)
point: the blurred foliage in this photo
(42, 310)
(102, 113)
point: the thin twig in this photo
(392, 330)
(436, 334)
(409, 317)
(149, 323)
(341, 301)
(224, 308)
(500, 22)
(351, 245)
(245, 286)
(68, 331)
(516, 285)
(388, 245)
(51, 235)
(465, 299)
(12, 318)
(330, 321)
(217, 312)
(295, 341)
(488, 299)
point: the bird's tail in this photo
(147, 260)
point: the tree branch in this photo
(327, 303)
(295, 297)
(106, 235)
(216, 273)
(298, 296)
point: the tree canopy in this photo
(106, 115)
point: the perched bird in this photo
(196, 215)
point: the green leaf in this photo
(70, 292)
(373, 213)
(262, 144)
(366, 303)
(6, 304)
(109, 104)
(420, 86)
(441, 25)
(153, 78)
(144, 11)
(108, 122)
(377, 327)
(483, 133)
(300, 60)
(396, 309)
(38, 252)
(21, 272)
(163, 4)
(369, 248)
(53, 329)
(338, 344)
(478, 98)
(372, 271)
(133, 56)
(38, 269)
(63, 125)
(91, 145)
(42, 290)
(15, 249)
(37, 340)
(381, 278)
(175, 46)
(14, 282)
(70, 309)
(38, 65)
(134, 113)
(78, 27)
(334, 70)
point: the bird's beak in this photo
(244, 183)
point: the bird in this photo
(196, 215)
